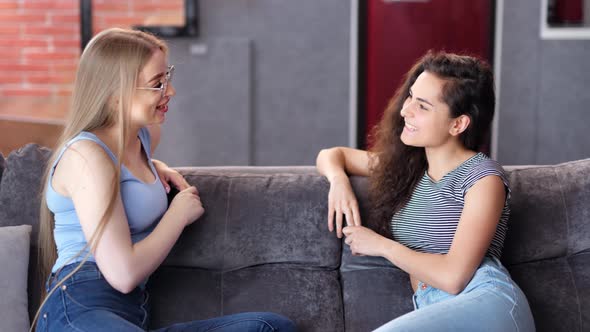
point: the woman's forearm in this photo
(437, 270)
(330, 163)
(139, 261)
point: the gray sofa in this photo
(263, 245)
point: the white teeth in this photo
(410, 127)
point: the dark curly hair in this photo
(468, 89)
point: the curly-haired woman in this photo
(439, 208)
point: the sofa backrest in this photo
(547, 249)
(263, 245)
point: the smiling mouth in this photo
(163, 107)
(410, 127)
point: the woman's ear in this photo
(459, 125)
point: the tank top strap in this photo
(85, 135)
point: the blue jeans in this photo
(87, 302)
(490, 302)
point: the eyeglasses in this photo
(163, 85)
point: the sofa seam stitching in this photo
(226, 221)
(250, 175)
(568, 251)
(580, 320)
(567, 221)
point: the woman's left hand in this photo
(363, 241)
(169, 176)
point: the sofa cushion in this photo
(14, 260)
(537, 227)
(256, 217)
(19, 199)
(547, 248)
(374, 291)
(557, 290)
(550, 211)
(310, 297)
(21, 186)
(262, 245)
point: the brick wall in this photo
(40, 44)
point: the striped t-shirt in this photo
(427, 223)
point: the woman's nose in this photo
(170, 90)
(407, 109)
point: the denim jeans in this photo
(490, 302)
(87, 302)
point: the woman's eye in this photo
(422, 107)
(159, 85)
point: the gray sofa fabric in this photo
(548, 245)
(2, 164)
(19, 203)
(263, 245)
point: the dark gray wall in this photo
(266, 83)
(544, 106)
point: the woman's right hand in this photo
(342, 202)
(187, 204)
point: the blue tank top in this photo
(144, 203)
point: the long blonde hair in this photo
(105, 83)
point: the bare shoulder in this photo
(490, 187)
(82, 161)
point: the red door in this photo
(397, 33)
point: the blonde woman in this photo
(105, 223)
